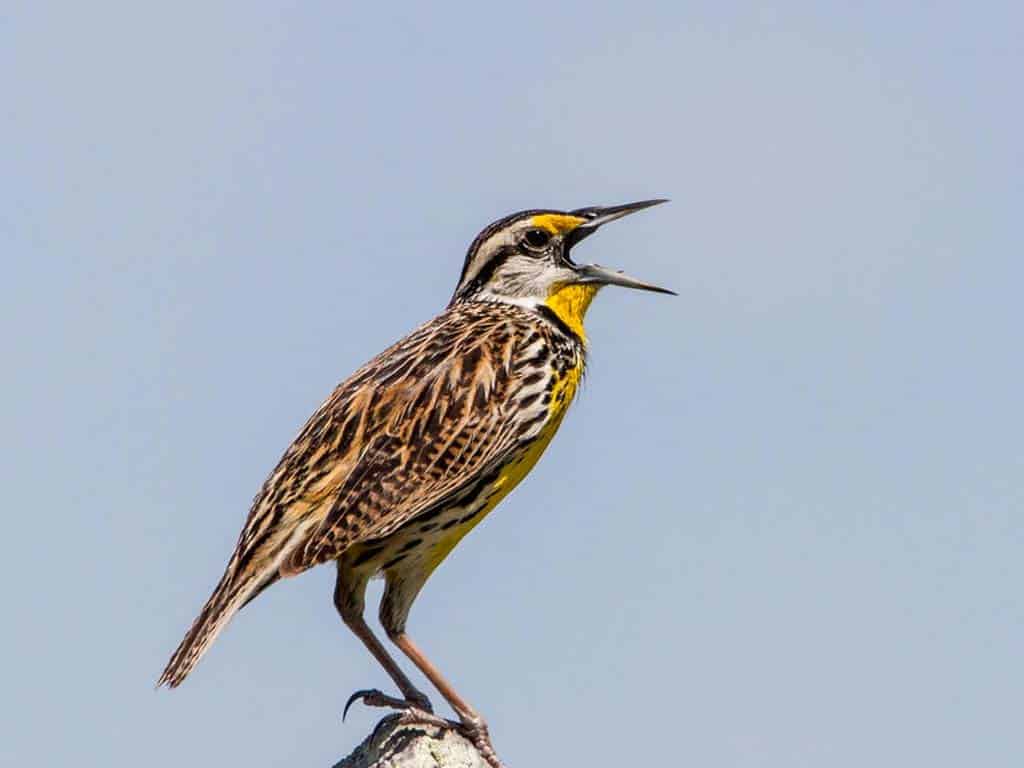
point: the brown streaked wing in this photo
(445, 422)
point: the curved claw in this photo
(372, 697)
(360, 694)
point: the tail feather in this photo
(229, 596)
(251, 570)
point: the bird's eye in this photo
(536, 238)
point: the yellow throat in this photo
(570, 302)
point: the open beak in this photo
(597, 217)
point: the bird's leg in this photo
(348, 599)
(413, 698)
(471, 725)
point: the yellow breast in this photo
(512, 473)
(570, 304)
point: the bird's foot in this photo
(472, 728)
(475, 729)
(417, 711)
(372, 697)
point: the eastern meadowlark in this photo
(417, 446)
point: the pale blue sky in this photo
(782, 525)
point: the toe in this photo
(420, 701)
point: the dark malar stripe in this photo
(552, 317)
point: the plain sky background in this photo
(782, 525)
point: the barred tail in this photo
(229, 596)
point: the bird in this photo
(416, 447)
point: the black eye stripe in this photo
(489, 267)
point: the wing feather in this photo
(439, 427)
